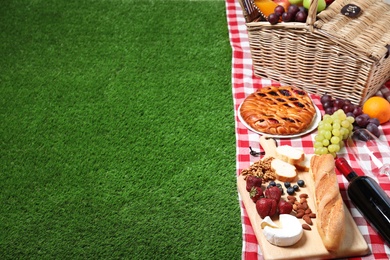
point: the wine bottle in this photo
(369, 198)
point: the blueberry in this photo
(278, 185)
(290, 191)
(281, 190)
(272, 183)
(296, 187)
(287, 184)
(301, 183)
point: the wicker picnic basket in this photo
(330, 53)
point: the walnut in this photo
(261, 168)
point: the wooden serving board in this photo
(310, 245)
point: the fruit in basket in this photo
(296, 2)
(291, 13)
(284, 3)
(279, 10)
(287, 17)
(377, 107)
(301, 16)
(321, 5)
(328, 2)
(273, 18)
(266, 7)
(293, 9)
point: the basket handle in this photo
(249, 10)
(312, 14)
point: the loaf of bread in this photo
(330, 208)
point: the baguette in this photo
(328, 200)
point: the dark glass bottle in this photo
(369, 198)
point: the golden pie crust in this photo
(277, 110)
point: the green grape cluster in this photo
(332, 131)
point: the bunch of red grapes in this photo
(362, 120)
(293, 13)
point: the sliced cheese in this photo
(288, 234)
(267, 221)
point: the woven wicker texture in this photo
(343, 56)
(369, 33)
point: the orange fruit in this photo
(377, 107)
(266, 7)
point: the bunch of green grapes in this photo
(332, 131)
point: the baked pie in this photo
(276, 110)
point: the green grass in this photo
(117, 131)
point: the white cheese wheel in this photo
(288, 234)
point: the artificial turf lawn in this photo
(117, 131)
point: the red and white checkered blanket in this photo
(244, 83)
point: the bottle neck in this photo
(343, 166)
(351, 176)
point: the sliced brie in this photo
(267, 221)
(288, 234)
